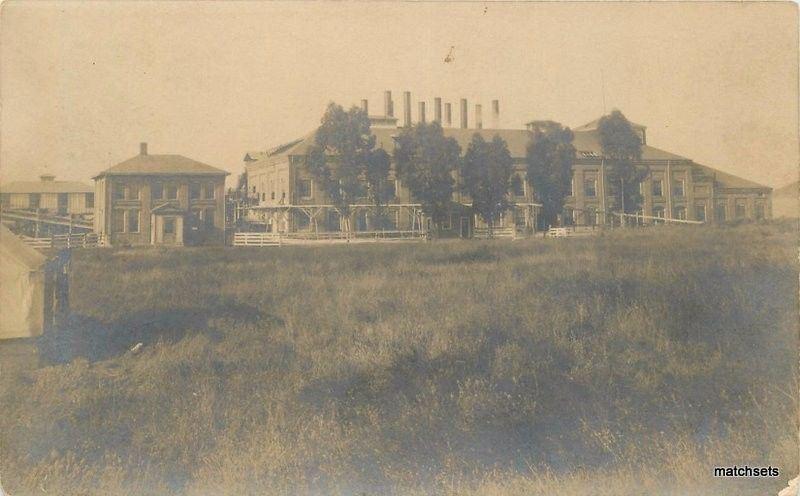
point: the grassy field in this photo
(626, 364)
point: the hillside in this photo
(630, 363)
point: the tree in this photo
(622, 146)
(425, 162)
(343, 159)
(550, 157)
(486, 177)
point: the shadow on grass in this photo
(81, 336)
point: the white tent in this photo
(26, 288)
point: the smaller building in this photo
(28, 289)
(160, 200)
(49, 195)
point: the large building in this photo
(48, 195)
(160, 200)
(285, 197)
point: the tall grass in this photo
(629, 363)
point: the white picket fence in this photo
(61, 241)
(256, 239)
(279, 239)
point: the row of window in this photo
(128, 220)
(164, 191)
(657, 188)
(35, 200)
(679, 212)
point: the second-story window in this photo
(118, 192)
(677, 188)
(304, 188)
(89, 200)
(133, 192)
(590, 188)
(209, 191)
(194, 191)
(157, 191)
(658, 187)
(517, 186)
(390, 189)
(171, 192)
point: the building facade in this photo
(285, 198)
(49, 196)
(160, 200)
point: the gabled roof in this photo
(592, 126)
(161, 165)
(13, 248)
(729, 181)
(46, 187)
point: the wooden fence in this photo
(60, 241)
(256, 239)
(497, 232)
(279, 239)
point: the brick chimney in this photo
(448, 114)
(464, 119)
(421, 114)
(407, 108)
(478, 116)
(496, 113)
(387, 103)
(365, 106)
(143, 148)
(437, 110)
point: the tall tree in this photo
(425, 161)
(550, 157)
(622, 147)
(343, 158)
(486, 177)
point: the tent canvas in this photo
(26, 286)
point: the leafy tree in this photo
(486, 177)
(377, 173)
(426, 160)
(550, 157)
(343, 159)
(622, 147)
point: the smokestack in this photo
(478, 116)
(437, 110)
(496, 113)
(448, 115)
(142, 148)
(365, 106)
(422, 111)
(407, 108)
(387, 103)
(464, 120)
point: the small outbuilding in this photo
(28, 287)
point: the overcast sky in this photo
(83, 83)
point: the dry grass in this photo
(629, 363)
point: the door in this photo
(465, 227)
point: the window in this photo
(89, 200)
(133, 220)
(273, 196)
(519, 218)
(194, 191)
(254, 189)
(658, 212)
(740, 210)
(5, 199)
(677, 188)
(700, 212)
(720, 212)
(518, 186)
(680, 213)
(263, 196)
(133, 192)
(301, 221)
(157, 191)
(334, 221)
(572, 187)
(658, 187)
(304, 188)
(172, 192)
(169, 225)
(209, 191)
(590, 188)
(361, 221)
(35, 200)
(63, 200)
(760, 211)
(118, 191)
(208, 218)
(118, 221)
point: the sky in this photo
(82, 83)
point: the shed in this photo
(27, 288)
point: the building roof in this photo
(586, 142)
(13, 248)
(592, 126)
(46, 187)
(146, 164)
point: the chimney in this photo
(142, 148)
(387, 103)
(407, 108)
(47, 177)
(464, 120)
(365, 106)
(496, 113)
(421, 116)
(478, 116)
(448, 115)
(437, 110)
